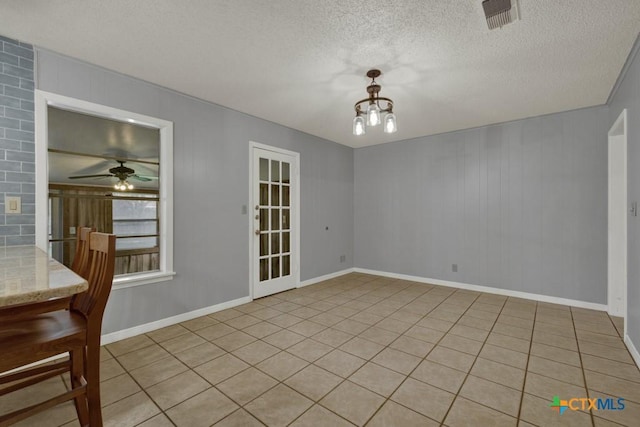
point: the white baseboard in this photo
(326, 277)
(489, 290)
(162, 323)
(633, 350)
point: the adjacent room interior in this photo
(415, 214)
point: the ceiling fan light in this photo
(390, 125)
(123, 185)
(373, 115)
(358, 126)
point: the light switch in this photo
(12, 205)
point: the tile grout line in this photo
(526, 368)
(128, 373)
(584, 376)
(457, 394)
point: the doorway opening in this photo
(275, 219)
(617, 219)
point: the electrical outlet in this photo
(12, 205)
(454, 268)
(343, 258)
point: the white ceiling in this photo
(301, 63)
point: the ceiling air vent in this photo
(499, 12)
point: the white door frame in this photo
(296, 216)
(617, 219)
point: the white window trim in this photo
(42, 101)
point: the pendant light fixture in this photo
(372, 114)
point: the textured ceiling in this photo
(301, 63)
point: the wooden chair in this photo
(27, 335)
(81, 258)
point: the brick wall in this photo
(17, 148)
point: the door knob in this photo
(257, 232)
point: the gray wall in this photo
(519, 205)
(628, 96)
(17, 158)
(211, 183)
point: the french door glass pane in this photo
(275, 243)
(286, 265)
(264, 219)
(285, 219)
(264, 269)
(264, 244)
(275, 267)
(275, 219)
(264, 169)
(275, 195)
(275, 171)
(285, 195)
(264, 194)
(285, 242)
(285, 173)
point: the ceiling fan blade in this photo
(91, 176)
(143, 178)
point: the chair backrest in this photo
(102, 256)
(81, 258)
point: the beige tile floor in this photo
(365, 350)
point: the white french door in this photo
(275, 213)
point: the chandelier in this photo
(373, 111)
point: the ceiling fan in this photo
(122, 173)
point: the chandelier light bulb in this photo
(129, 186)
(390, 123)
(358, 126)
(373, 115)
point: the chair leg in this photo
(92, 370)
(76, 359)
